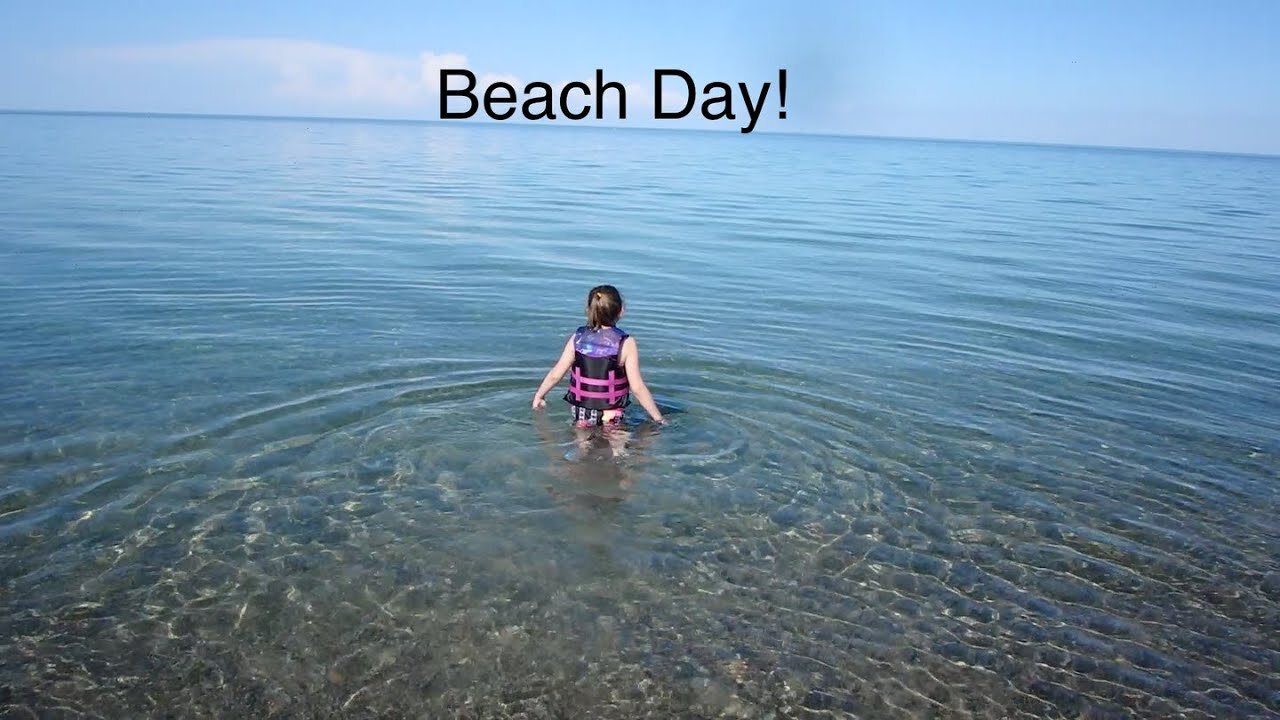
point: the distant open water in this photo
(958, 430)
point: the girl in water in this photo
(605, 367)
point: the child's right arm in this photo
(631, 361)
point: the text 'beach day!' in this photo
(577, 100)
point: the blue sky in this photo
(1195, 75)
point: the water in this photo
(957, 430)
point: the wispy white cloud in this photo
(304, 75)
(430, 65)
(292, 76)
(296, 70)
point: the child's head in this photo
(604, 306)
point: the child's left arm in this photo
(554, 375)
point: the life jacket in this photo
(598, 381)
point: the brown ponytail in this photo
(604, 305)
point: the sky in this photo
(1138, 73)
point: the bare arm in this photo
(554, 375)
(631, 361)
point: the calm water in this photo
(958, 430)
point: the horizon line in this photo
(598, 126)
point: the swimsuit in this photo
(586, 418)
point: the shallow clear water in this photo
(956, 429)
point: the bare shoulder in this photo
(629, 347)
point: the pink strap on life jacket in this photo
(617, 388)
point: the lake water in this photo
(956, 430)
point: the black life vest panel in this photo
(597, 380)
